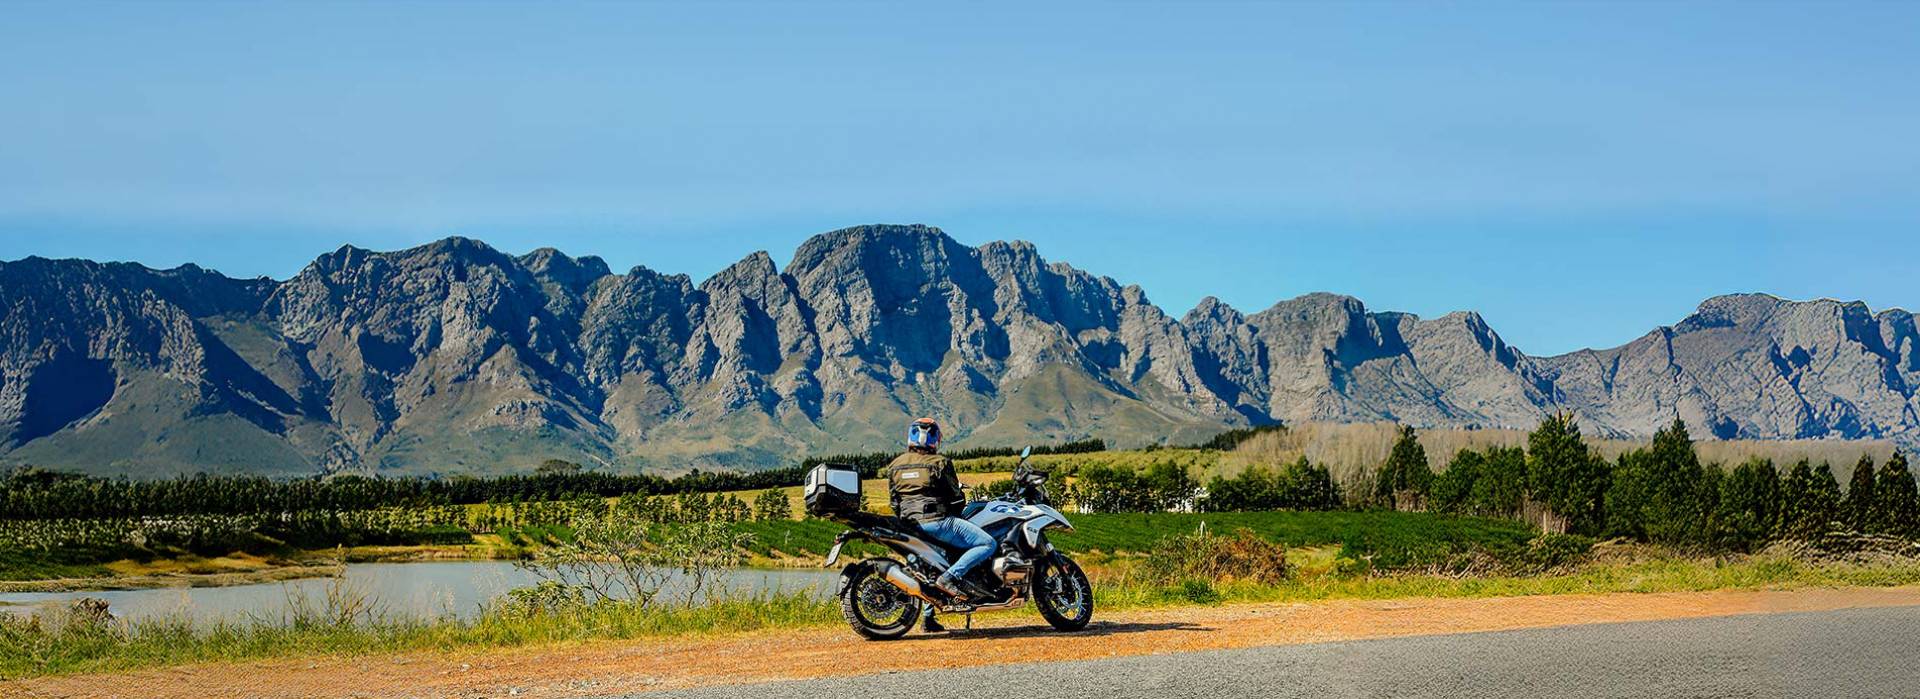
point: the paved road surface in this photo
(1866, 653)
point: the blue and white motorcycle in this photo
(883, 597)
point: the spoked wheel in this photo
(875, 608)
(1063, 594)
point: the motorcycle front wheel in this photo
(876, 609)
(1062, 593)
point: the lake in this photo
(428, 589)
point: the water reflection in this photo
(456, 588)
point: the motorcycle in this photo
(882, 597)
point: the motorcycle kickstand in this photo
(969, 621)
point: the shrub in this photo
(549, 597)
(1211, 557)
(1549, 552)
(1199, 591)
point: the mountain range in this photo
(455, 357)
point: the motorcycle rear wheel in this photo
(876, 609)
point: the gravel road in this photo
(1849, 653)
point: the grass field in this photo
(16, 564)
(1389, 540)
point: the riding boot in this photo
(952, 587)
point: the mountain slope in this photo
(455, 357)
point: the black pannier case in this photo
(832, 489)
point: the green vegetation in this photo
(16, 564)
(1491, 483)
(1382, 540)
(80, 641)
(1200, 558)
(1406, 479)
(1261, 528)
(1298, 486)
(1810, 501)
(1657, 571)
(1375, 540)
(1896, 502)
(1662, 493)
(1201, 568)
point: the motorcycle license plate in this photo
(833, 555)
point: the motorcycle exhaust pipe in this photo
(900, 578)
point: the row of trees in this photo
(33, 493)
(388, 525)
(1661, 493)
(1162, 487)
(1300, 485)
(1170, 487)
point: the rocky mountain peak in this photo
(555, 267)
(874, 244)
(456, 357)
(1212, 309)
(1731, 310)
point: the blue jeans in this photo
(960, 533)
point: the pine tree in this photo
(1828, 489)
(1303, 485)
(1857, 510)
(1627, 496)
(1676, 503)
(1318, 490)
(1707, 500)
(1566, 476)
(1897, 500)
(1809, 500)
(1749, 506)
(1453, 488)
(1502, 484)
(1406, 472)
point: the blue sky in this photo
(1577, 173)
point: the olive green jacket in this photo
(924, 487)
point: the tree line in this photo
(1661, 493)
(34, 493)
(1167, 486)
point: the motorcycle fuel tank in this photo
(995, 512)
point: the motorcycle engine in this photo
(1011, 568)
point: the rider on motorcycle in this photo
(925, 489)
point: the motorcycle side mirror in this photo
(1026, 452)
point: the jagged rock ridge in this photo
(456, 357)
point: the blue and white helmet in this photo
(923, 433)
